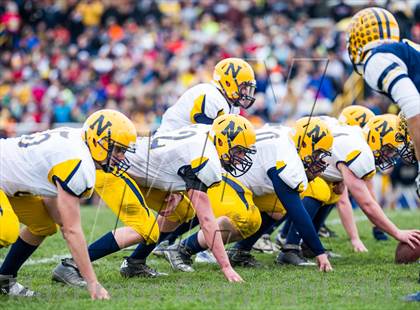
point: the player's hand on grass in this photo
(97, 291)
(231, 275)
(358, 245)
(323, 263)
(411, 237)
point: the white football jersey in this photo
(200, 104)
(158, 160)
(349, 147)
(31, 164)
(275, 150)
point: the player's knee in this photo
(318, 189)
(149, 233)
(253, 223)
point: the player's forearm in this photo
(377, 216)
(209, 227)
(78, 248)
(214, 241)
(346, 216)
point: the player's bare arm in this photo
(69, 211)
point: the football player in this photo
(188, 160)
(388, 65)
(232, 88)
(286, 158)
(351, 167)
(357, 115)
(44, 175)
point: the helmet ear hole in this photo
(94, 142)
(220, 142)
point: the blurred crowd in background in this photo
(61, 60)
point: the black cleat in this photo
(132, 267)
(67, 272)
(242, 258)
(293, 257)
(307, 252)
(10, 287)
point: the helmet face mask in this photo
(386, 157)
(238, 162)
(245, 95)
(407, 152)
(115, 161)
(315, 164)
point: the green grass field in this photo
(359, 281)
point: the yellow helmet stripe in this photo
(378, 19)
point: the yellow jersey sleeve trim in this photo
(280, 165)
(369, 175)
(63, 172)
(198, 113)
(351, 157)
(198, 163)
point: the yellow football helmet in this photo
(234, 138)
(313, 140)
(355, 115)
(108, 135)
(235, 78)
(368, 29)
(385, 139)
(407, 152)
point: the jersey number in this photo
(157, 142)
(261, 136)
(38, 138)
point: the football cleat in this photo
(326, 232)
(160, 249)
(179, 258)
(242, 258)
(265, 245)
(307, 252)
(67, 272)
(205, 257)
(132, 267)
(10, 287)
(293, 257)
(378, 234)
(280, 240)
